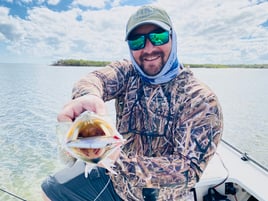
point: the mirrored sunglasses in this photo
(138, 42)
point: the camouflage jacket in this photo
(172, 129)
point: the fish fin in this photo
(88, 169)
(108, 164)
(108, 161)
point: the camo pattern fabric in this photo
(172, 129)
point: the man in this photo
(172, 122)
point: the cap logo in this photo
(144, 13)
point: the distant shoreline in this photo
(227, 65)
(81, 62)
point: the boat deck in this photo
(247, 174)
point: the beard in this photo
(152, 63)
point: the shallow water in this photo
(32, 95)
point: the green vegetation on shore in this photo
(227, 65)
(80, 62)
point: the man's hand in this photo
(77, 106)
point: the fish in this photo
(94, 140)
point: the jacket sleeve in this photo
(196, 135)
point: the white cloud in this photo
(3, 12)
(10, 29)
(115, 3)
(59, 35)
(26, 1)
(90, 3)
(53, 2)
(211, 32)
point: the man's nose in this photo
(148, 46)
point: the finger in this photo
(101, 110)
(69, 113)
(77, 106)
(63, 118)
(94, 104)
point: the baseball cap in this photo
(151, 15)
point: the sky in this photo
(208, 31)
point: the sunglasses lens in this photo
(156, 39)
(159, 38)
(138, 43)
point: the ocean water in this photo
(32, 95)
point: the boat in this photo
(232, 175)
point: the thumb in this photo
(94, 104)
(101, 109)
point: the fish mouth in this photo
(89, 125)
